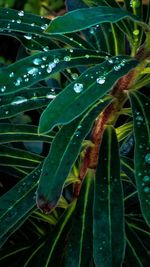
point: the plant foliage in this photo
(75, 137)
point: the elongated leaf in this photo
(80, 237)
(86, 17)
(35, 68)
(45, 251)
(63, 153)
(19, 132)
(141, 110)
(136, 253)
(25, 100)
(108, 205)
(16, 157)
(17, 203)
(85, 91)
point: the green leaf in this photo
(63, 153)
(85, 91)
(32, 69)
(108, 205)
(17, 203)
(17, 157)
(86, 17)
(141, 110)
(80, 236)
(45, 251)
(21, 132)
(25, 100)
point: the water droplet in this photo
(51, 65)
(147, 158)
(18, 81)
(6, 112)
(44, 27)
(87, 56)
(28, 36)
(78, 87)
(146, 179)
(67, 58)
(19, 100)
(3, 89)
(139, 118)
(11, 74)
(32, 71)
(101, 80)
(33, 24)
(56, 60)
(13, 21)
(74, 76)
(117, 67)
(18, 21)
(50, 96)
(46, 48)
(110, 61)
(71, 50)
(21, 13)
(146, 189)
(37, 61)
(44, 58)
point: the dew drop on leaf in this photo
(19, 21)
(78, 87)
(37, 61)
(67, 58)
(147, 158)
(101, 80)
(28, 36)
(32, 71)
(146, 179)
(3, 89)
(21, 13)
(11, 74)
(18, 81)
(19, 100)
(146, 190)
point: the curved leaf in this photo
(63, 153)
(85, 91)
(108, 205)
(141, 110)
(86, 17)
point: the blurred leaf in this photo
(18, 132)
(108, 205)
(17, 157)
(141, 110)
(62, 155)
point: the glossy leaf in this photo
(25, 100)
(141, 110)
(35, 68)
(17, 203)
(18, 132)
(63, 153)
(86, 17)
(80, 236)
(108, 205)
(78, 96)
